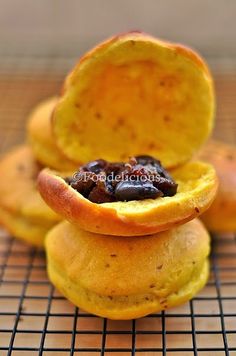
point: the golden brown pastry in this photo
(122, 278)
(41, 139)
(135, 94)
(23, 212)
(197, 184)
(221, 216)
(23, 228)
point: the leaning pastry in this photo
(122, 278)
(221, 216)
(22, 210)
(41, 139)
(134, 95)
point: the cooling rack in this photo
(36, 320)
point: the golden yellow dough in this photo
(20, 202)
(135, 94)
(24, 229)
(197, 184)
(221, 216)
(122, 278)
(41, 139)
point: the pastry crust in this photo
(24, 213)
(221, 216)
(122, 278)
(197, 185)
(41, 140)
(133, 94)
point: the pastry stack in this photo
(131, 95)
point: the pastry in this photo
(221, 216)
(122, 278)
(41, 139)
(23, 228)
(197, 184)
(23, 212)
(133, 95)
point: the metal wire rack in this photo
(36, 320)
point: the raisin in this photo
(114, 168)
(145, 160)
(95, 166)
(167, 186)
(153, 163)
(101, 193)
(136, 190)
(83, 183)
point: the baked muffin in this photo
(221, 216)
(22, 210)
(122, 278)
(41, 139)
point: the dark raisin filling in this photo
(143, 177)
